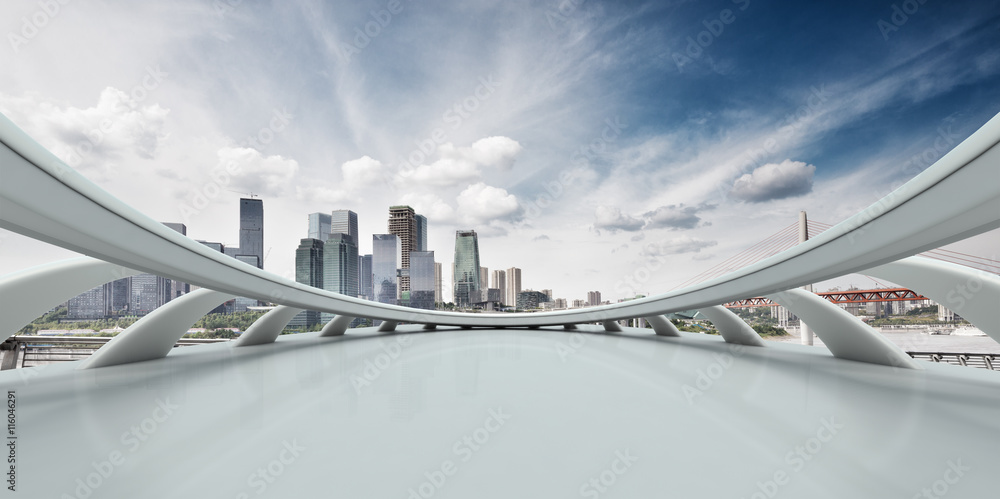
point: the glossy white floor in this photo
(504, 413)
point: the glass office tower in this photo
(365, 279)
(340, 267)
(421, 233)
(308, 271)
(252, 231)
(466, 272)
(422, 281)
(386, 257)
(345, 222)
(319, 226)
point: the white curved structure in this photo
(30, 293)
(430, 409)
(973, 294)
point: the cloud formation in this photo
(611, 219)
(676, 246)
(674, 217)
(774, 181)
(460, 165)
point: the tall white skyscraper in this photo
(437, 282)
(319, 226)
(344, 222)
(500, 282)
(513, 285)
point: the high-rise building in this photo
(365, 278)
(148, 292)
(421, 233)
(513, 285)
(386, 249)
(437, 282)
(308, 271)
(548, 292)
(340, 267)
(500, 282)
(403, 223)
(484, 277)
(319, 226)
(422, 279)
(466, 271)
(345, 222)
(593, 298)
(252, 231)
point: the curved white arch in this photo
(947, 202)
(973, 294)
(731, 327)
(842, 333)
(153, 336)
(30, 293)
(268, 327)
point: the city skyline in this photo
(588, 174)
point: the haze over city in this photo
(581, 140)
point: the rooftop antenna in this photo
(252, 195)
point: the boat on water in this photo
(967, 331)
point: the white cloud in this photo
(430, 206)
(674, 217)
(775, 181)
(612, 219)
(91, 139)
(362, 171)
(460, 165)
(256, 173)
(676, 246)
(481, 203)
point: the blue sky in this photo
(590, 139)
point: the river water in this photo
(920, 341)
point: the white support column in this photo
(387, 326)
(731, 327)
(153, 336)
(611, 326)
(805, 334)
(662, 326)
(337, 326)
(268, 327)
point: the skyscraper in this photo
(319, 226)
(252, 231)
(340, 267)
(386, 249)
(365, 278)
(500, 282)
(513, 285)
(437, 282)
(421, 233)
(593, 298)
(345, 222)
(422, 281)
(466, 272)
(403, 223)
(484, 277)
(308, 271)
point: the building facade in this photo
(465, 278)
(365, 278)
(252, 231)
(386, 257)
(422, 279)
(500, 282)
(593, 298)
(513, 285)
(340, 267)
(319, 226)
(345, 222)
(529, 300)
(403, 223)
(421, 233)
(438, 268)
(308, 271)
